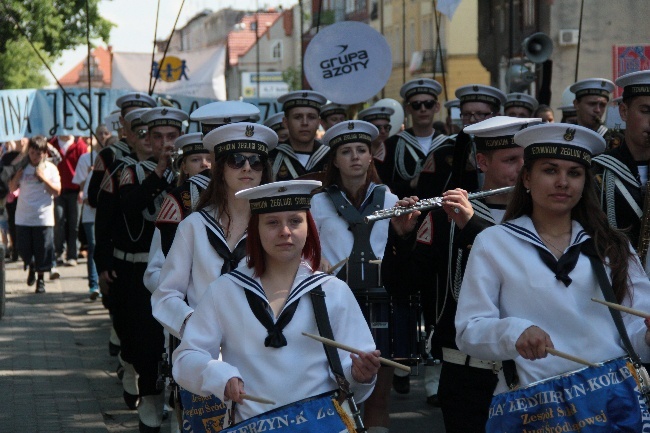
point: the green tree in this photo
(292, 77)
(54, 25)
(20, 67)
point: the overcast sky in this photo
(136, 21)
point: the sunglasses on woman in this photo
(416, 105)
(236, 161)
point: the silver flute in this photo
(428, 203)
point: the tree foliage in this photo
(20, 67)
(292, 77)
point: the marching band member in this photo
(275, 123)
(331, 114)
(520, 105)
(302, 153)
(592, 96)
(253, 317)
(529, 282)
(352, 191)
(407, 150)
(380, 117)
(141, 192)
(623, 172)
(569, 114)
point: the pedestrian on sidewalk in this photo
(39, 183)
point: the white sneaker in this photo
(54, 274)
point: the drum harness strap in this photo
(353, 272)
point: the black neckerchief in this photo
(258, 307)
(562, 267)
(230, 258)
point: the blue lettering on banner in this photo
(596, 399)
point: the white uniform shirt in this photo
(154, 265)
(192, 264)
(335, 238)
(507, 288)
(223, 319)
(35, 207)
(82, 175)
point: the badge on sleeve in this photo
(425, 232)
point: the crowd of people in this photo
(221, 248)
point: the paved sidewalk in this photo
(56, 374)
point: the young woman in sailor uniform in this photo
(352, 191)
(529, 281)
(254, 317)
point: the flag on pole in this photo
(448, 7)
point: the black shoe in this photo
(433, 400)
(401, 384)
(40, 286)
(146, 429)
(120, 371)
(31, 276)
(132, 401)
(113, 349)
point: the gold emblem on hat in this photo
(421, 82)
(570, 134)
(350, 126)
(602, 84)
(227, 120)
(282, 189)
(304, 94)
(137, 96)
(475, 88)
(250, 130)
(163, 111)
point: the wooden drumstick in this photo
(338, 265)
(375, 262)
(559, 354)
(622, 308)
(256, 399)
(350, 349)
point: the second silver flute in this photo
(428, 203)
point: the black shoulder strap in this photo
(325, 330)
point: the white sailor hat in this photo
(241, 137)
(521, 100)
(481, 93)
(375, 113)
(216, 114)
(332, 108)
(275, 122)
(164, 116)
(135, 99)
(350, 131)
(635, 84)
(453, 103)
(592, 86)
(418, 86)
(560, 141)
(189, 144)
(280, 196)
(134, 117)
(568, 110)
(302, 98)
(496, 132)
(112, 121)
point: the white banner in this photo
(187, 73)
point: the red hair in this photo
(255, 253)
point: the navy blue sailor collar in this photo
(306, 280)
(523, 228)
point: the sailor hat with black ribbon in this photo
(521, 100)
(350, 131)
(481, 93)
(134, 117)
(135, 99)
(216, 114)
(302, 98)
(592, 86)
(165, 116)
(498, 132)
(280, 196)
(568, 110)
(635, 84)
(275, 122)
(453, 103)
(190, 144)
(375, 113)
(560, 141)
(419, 86)
(332, 108)
(241, 137)
(112, 121)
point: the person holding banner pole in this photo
(245, 336)
(529, 281)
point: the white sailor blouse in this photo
(224, 325)
(509, 285)
(192, 264)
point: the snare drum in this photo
(395, 324)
